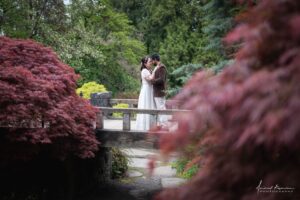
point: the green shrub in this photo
(120, 105)
(91, 87)
(119, 163)
(182, 170)
(190, 172)
(179, 165)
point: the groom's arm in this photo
(160, 79)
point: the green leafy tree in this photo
(216, 21)
(98, 42)
(179, 46)
(118, 49)
(31, 18)
(182, 31)
(180, 76)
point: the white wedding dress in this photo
(146, 101)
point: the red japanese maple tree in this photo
(38, 104)
(247, 117)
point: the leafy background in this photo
(105, 40)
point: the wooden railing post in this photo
(154, 117)
(126, 121)
(127, 113)
(99, 120)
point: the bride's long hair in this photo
(143, 62)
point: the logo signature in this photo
(273, 189)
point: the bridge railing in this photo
(131, 102)
(126, 137)
(128, 112)
(134, 102)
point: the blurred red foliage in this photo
(248, 115)
(39, 106)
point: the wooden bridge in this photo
(120, 133)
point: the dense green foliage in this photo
(99, 43)
(181, 75)
(183, 169)
(104, 40)
(196, 38)
(119, 163)
(185, 33)
(32, 18)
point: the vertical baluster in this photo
(99, 120)
(154, 118)
(126, 121)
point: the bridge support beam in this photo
(126, 121)
(127, 139)
(104, 160)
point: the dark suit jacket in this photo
(159, 81)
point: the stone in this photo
(134, 174)
(172, 182)
(164, 171)
(101, 99)
(117, 124)
(139, 153)
(145, 188)
(138, 162)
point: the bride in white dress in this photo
(146, 100)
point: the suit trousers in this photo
(160, 104)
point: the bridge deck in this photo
(117, 124)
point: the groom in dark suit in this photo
(159, 86)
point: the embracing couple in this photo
(152, 94)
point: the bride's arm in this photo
(150, 77)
